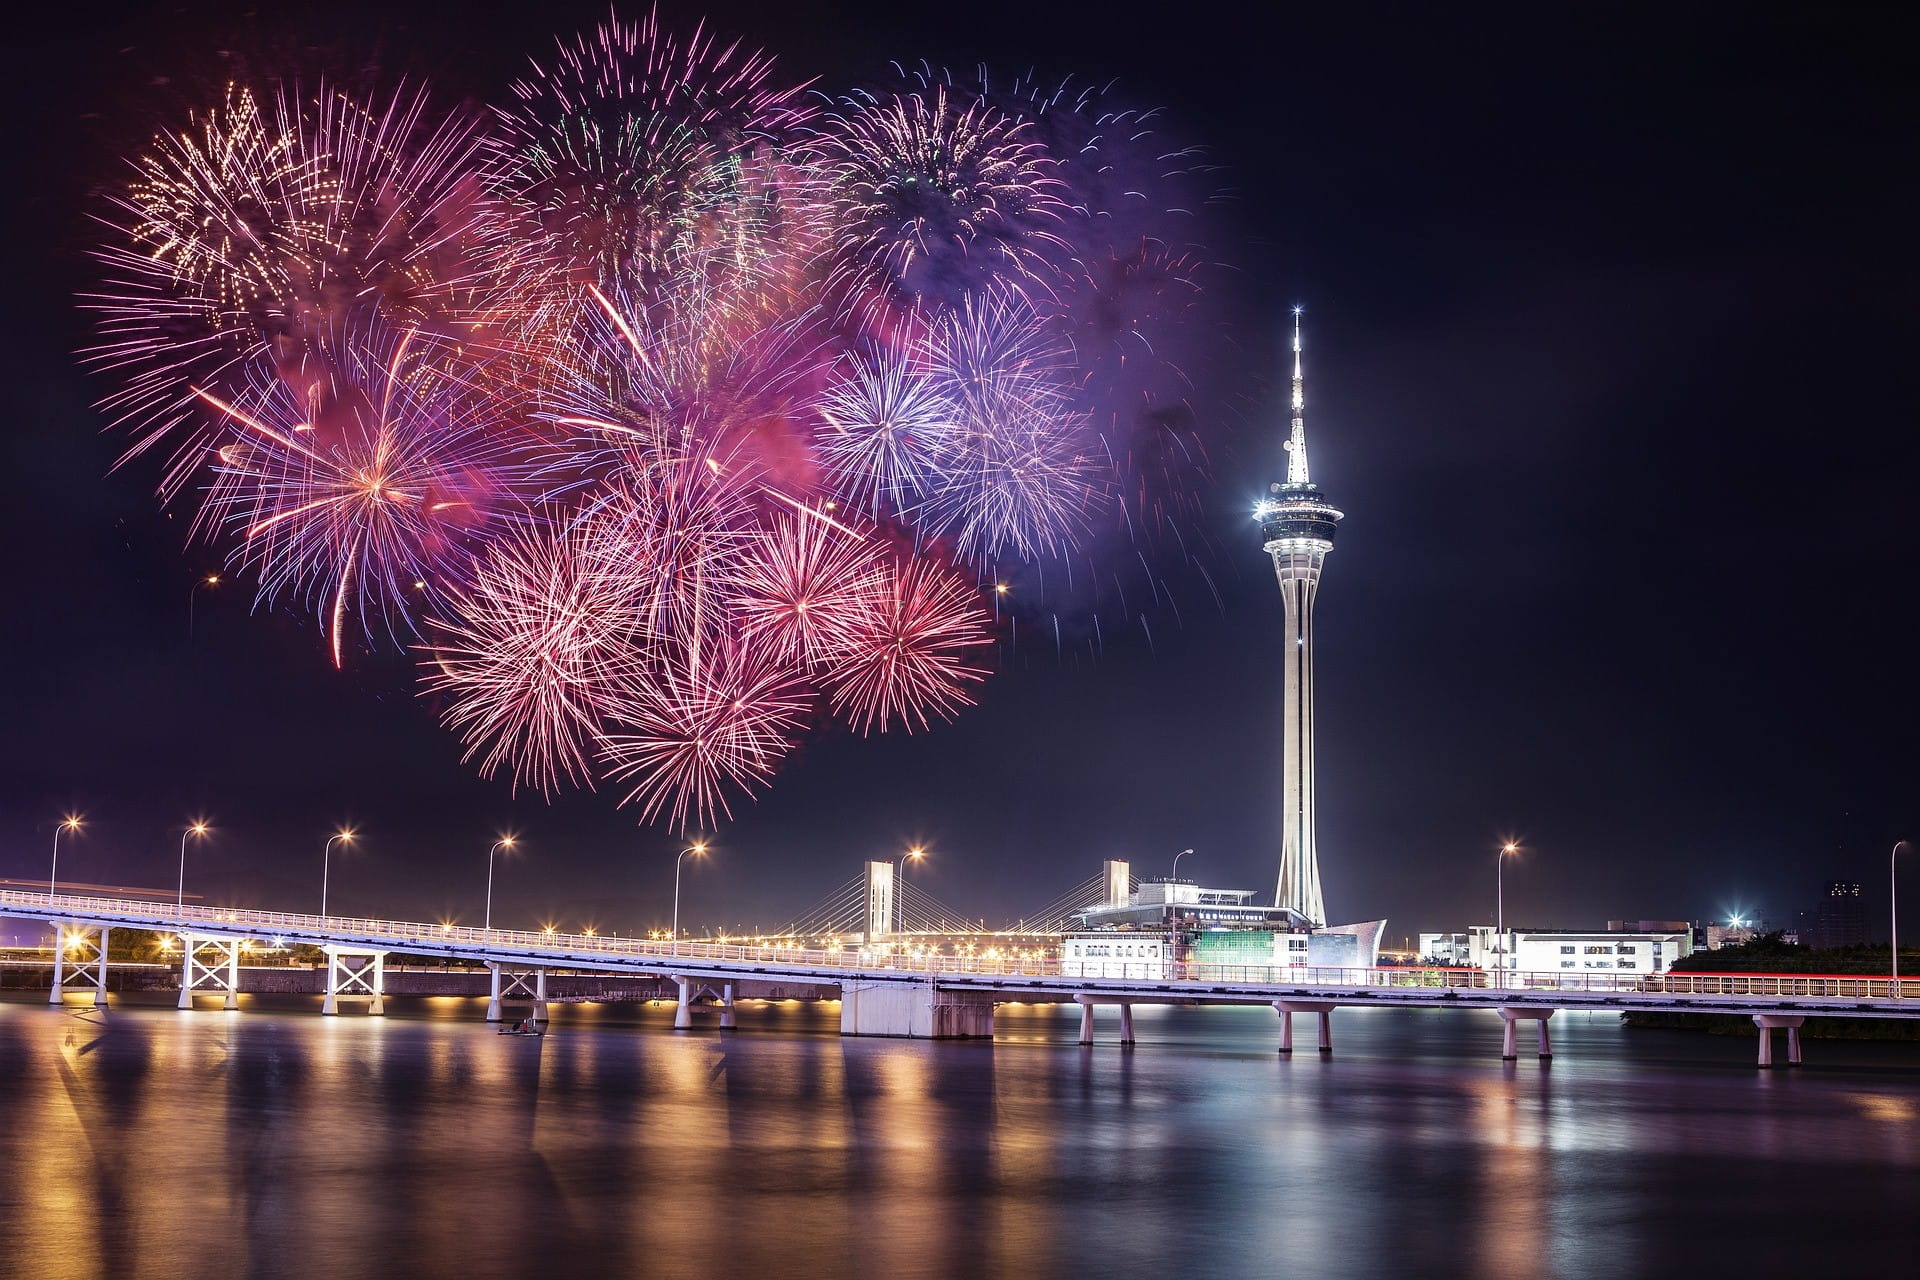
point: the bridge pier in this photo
(1126, 1022)
(354, 972)
(504, 983)
(1766, 1022)
(86, 970)
(726, 1007)
(209, 963)
(1287, 1008)
(914, 1008)
(683, 1011)
(1510, 1016)
(1086, 1019)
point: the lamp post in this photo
(211, 580)
(504, 842)
(697, 847)
(71, 823)
(1173, 911)
(180, 894)
(1893, 893)
(900, 885)
(1500, 915)
(326, 860)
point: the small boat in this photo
(525, 1027)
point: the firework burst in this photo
(934, 193)
(909, 655)
(672, 415)
(698, 722)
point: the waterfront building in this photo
(1297, 527)
(1573, 951)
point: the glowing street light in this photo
(504, 842)
(180, 894)
(211, 580)
(1500, 914)
(326, 859)
(699, 848)
(1893, 893)
(70, 823)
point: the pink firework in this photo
(632, 147)
(525, 656)
(361, 486)
(698, 722)
(250, 235)
(802, 589)
(909, 657)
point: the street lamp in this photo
(697, 847)
(71, 823)
(1893, 893)
(900, 884)
(211, 580)
(180, 894)
(1173, 910)
(504, 842)
(1500, 915)
(326, 859)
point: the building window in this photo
(1566, 951)
(1599, 951)
(1629, 964)
(1628, 949)
(1566, 964)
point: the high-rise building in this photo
(1297, 525)
(1840, 918)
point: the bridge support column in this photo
(1086, 1019)
(210, 964)
(75, 965)
(1766, 1022)
(1126, 1023)
(100, 983)
(1510, 1017)
(355, 972)
(683, 1012)
(1288, 1008)
(540, 996)
(914, 1008)
(493, 991)
(726, 1008)
(59, 993)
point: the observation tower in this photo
(1297, 526)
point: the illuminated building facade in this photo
(1297, 527)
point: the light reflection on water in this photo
(273, 1142)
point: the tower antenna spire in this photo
(1297, 437)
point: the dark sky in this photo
(1611, 369)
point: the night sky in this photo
(1610, 365)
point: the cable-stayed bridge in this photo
(894, 993)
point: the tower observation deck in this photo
(1297, 528)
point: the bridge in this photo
(888, 993)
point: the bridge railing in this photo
(583, 948)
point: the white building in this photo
(1569, 951)
(1113, 954)
(1449, 949)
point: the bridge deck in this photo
(1008, 977)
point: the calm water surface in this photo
(272, 1142)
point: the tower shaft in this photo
(1299, 885)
